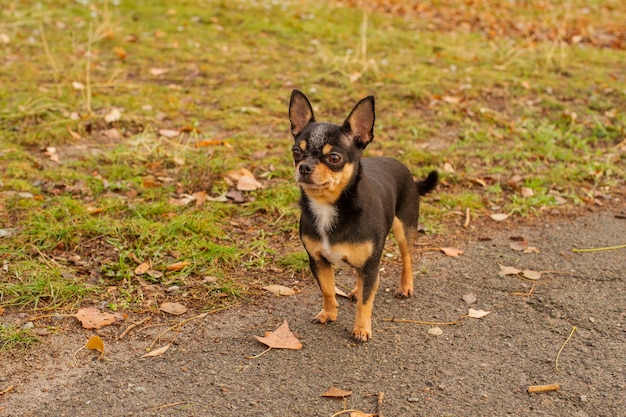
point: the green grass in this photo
(13, 337)
(490, 107)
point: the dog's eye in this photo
(297, 153)
(334, 158)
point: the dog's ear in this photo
(300, 112)
(360, 123)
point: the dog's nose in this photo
(305, 169)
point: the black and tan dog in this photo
(349, 205)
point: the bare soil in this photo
(480, 367)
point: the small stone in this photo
(413, 399)
(28, 325)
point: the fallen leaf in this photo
(244, 180)
(499, 217)
(477, 314)
(112, 134)
(451, 99)
(452, 252)
(113, 116)
(279, 290)
(78, 86)
(341, 293)
(336, 393)
(173, 308)
(177, 266)
(1, 310)
(96, 343)
(530, 274)
(157, 352)
(92, 318)
(435, 331)
(120, 52)
(51, 151)
(169, 133)
(519, 245)
(508, 270)
(470, 298)
(142, 268)
(281, 338)
(527, 192)
(358, 413)
(158, 71)
(532, 249)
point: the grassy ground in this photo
(119, 121)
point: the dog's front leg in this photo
(366, 287)
(325, 276)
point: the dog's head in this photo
(326, 155)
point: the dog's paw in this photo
(324, 317)
(404, 292)
(352, 296)
(361, 334)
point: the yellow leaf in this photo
(96, 343)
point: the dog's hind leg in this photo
(403, 237)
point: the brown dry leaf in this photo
(532, 249)
(477, 314)
(451, 99)
(452, 252)
(173, 308)
(244, 180)
(96, 343)
(120, 52)
(149, 181)
(341, 293)
(177, 266)
(336, 393)
(530, 274)
(499, 217)
(279, 290)
(435, 331)
(51, 151)
(361, 414)
(1, 311)
(169, 133)
(527, 192)
(519, 245)
(158, 71)
(281, 338)
(113, 116)
(157, 352)
(508, 270)
(470, 298)
(142, 268)
(92, 318)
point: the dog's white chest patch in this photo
(325, 216)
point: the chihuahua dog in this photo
(349, 205)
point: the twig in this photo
(543, 388)
(262, 353)
(88, 71)
(7, 390)
(346, 411)
(526, 294)
(46, 48)
(199, 316)
(468, 218)
(430, 323)
(160, 407)
(132, 326)
(381, 396)
(599, 249)
(556, 364)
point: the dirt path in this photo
(481, 367)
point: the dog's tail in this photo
(428, 184)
